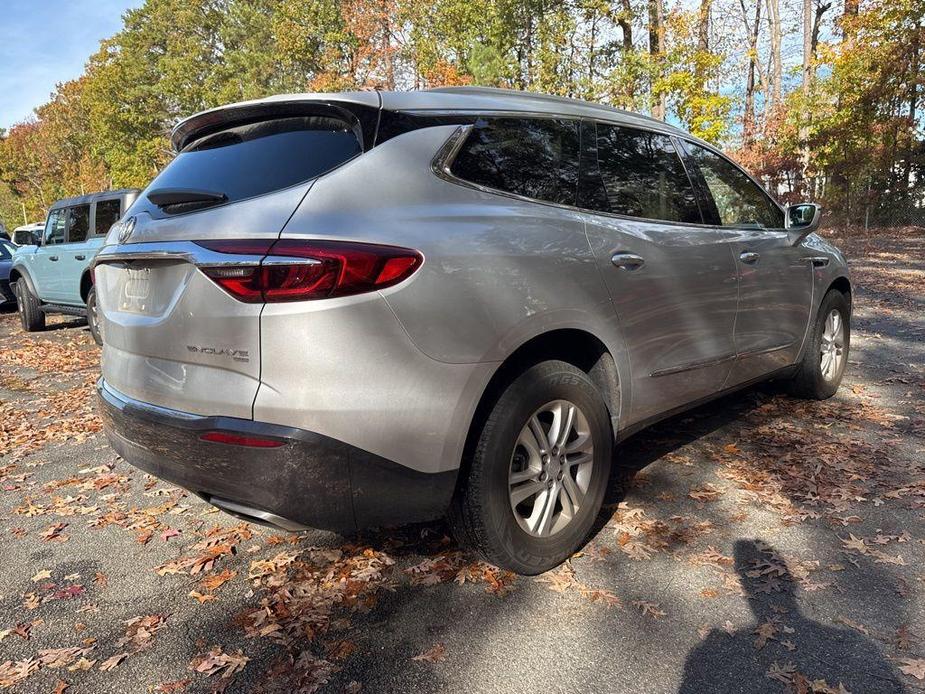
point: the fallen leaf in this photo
(434, 654)
(914, 667)
(113, 661)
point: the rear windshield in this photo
(257, 158)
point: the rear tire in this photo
(30, 311)
(93, 319)
(569, 468)
(820, 372)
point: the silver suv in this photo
(363, 309)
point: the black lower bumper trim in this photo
(312, 480)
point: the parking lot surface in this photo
(765, 544)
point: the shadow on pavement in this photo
(783, 644)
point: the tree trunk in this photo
(703, 26)
(776, 71)
(625, 21)
(748, 116)
(821, 9)
(803, 174)
(913, 103)
(657, 51)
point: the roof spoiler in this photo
(360, 109)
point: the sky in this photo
(43, 42)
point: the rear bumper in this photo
(310, 481)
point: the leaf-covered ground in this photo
(766, 544)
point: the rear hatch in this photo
(174, 336)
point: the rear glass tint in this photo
(535, 158)
(107, 214)
(257, 158)
(78, 224)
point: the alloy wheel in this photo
(832, 350)
(550, 469)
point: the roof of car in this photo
(442, 100)
(92, 197)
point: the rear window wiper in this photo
(185, 199)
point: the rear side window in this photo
(78, 223)
(107, 214)
(739, 201)
(535, 158)
(257, 158)
(638, 173)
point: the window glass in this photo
(739, 201)
(107, 214)
(54, 227)
(257, 158)
(6, 250)
(639, 174)
(536, 158)
(78, 223)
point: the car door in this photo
(46, 261)
(672, 279)
(775, 277)
(74, 254)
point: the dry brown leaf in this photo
(434, 654)
(914, 667)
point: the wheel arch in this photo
(17, 273)
(576, 346)
(843, 285)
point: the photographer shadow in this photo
(799, 653)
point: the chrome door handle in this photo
(627, 261)
(53, 258)
(80, 257)
(749, 257)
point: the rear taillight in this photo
(296, 270)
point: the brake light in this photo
(296, 270)
(241, 440)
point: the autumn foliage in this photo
(838, 121)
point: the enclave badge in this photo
(236, 354)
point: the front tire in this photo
(538, 472)
(823, 365)
(30, 312)
(93, 317)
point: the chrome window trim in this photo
(442, 163)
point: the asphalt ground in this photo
(765, 544)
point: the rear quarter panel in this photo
(497, 272)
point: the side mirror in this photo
(36, 238)
(802, 220)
